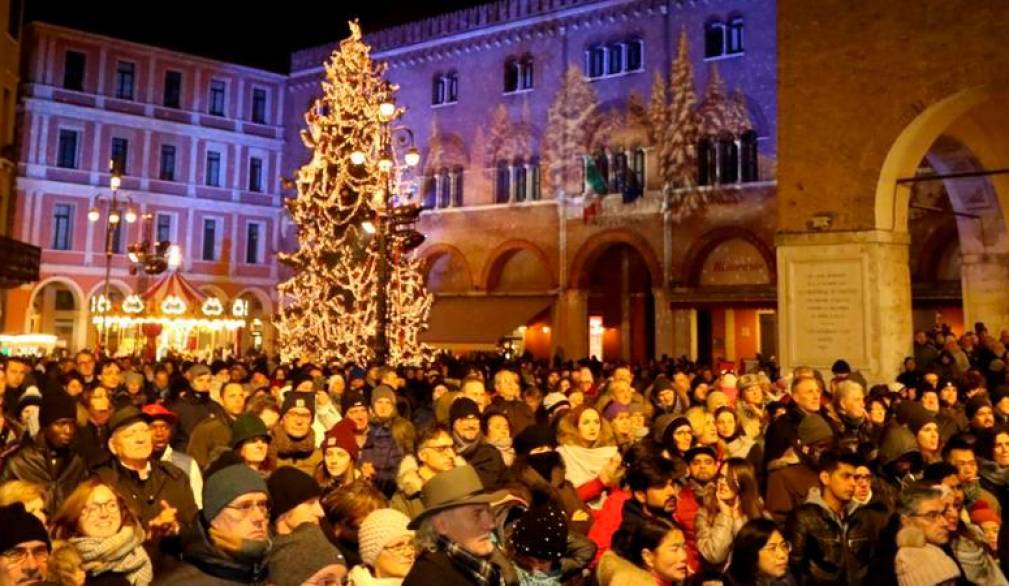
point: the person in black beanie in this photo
(538, 542)
(464, 419)
(24, 547)
(538, 469)
(295, 499)
(48, 458)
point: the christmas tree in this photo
(680, 137)
(329, 310)
(571, 120)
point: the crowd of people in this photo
(494, 472)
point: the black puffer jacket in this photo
(33, 462)
(830, 550)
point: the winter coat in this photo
(192, 408)
(608, 521)
(436, 568)
(827, 549)
(33, 462)
(384, 453)
(208, 437)
(715, 534)
(188, 465)
(205, 565)
(407, 499)
(979, 566)
(788, 482)
(614, 570)
(519, 415)
(951, 420)
(854, 435)
(91, 441)
(995, 480)
(528, 481)
(301, 454)
(488, 463)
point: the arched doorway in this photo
(57, 308)
(117, 292)
(258, 336)
(621, 309)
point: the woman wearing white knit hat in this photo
(386, 548)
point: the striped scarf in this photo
(122, 553)
(481, 571)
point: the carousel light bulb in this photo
(357, 157)
(412, 157)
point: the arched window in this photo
(512, 71)
(502, 191)
(520, 180)
(430, 192)
(714, 39)
(438, 90)
(734, 36)
(444, 189)
(618, 182)
(748, 157)
(526, 71)
(534, 179)
(706, 161)
(457, 193)
(728, 160)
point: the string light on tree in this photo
(330, 308)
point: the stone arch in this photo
(703, 246)
(214, 291)
(499, 257)
(596, 245)
(435, 252)
(113, 283)
(80, 304)
(910, 147)
(262, 296)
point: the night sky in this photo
(251, 33)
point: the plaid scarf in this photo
(481, 571)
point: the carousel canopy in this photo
(173, 299)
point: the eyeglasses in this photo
(403, 548)
(443, 449)
(247, 508)
(109, 507)
(931, 516)
(19, 555)
(782, 547)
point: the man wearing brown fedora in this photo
(454, 534)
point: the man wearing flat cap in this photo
(194, 406)
(157, 492)
(49, 458)
(454, 534)
(24, 547)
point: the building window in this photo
(520, 180)
(209, 239)
(638, 168)
(457, 193)
(73, 70)
(444, 189)
(595, 61)
(167, 163)
(120, 155)
(635, 55)
(707, 158)
(618, 177)
(445, 89)
(430, 192)
(502, 192)
(217, 89)
(518, 74)
(213, 178)
(124, 80)
(67, 153)
(255, 174)
(614, 59)
(62, 226)
(173, 89)
(734, 40)
(163, 228)
(259, 106)
(252, 245)
(534, 179)
(748, 161)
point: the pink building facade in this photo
(199, 145)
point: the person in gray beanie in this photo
(230, 541)
(305, 556)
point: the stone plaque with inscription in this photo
(827, 312)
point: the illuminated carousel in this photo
(171, 316)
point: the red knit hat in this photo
(341, 435)
(981, 512)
